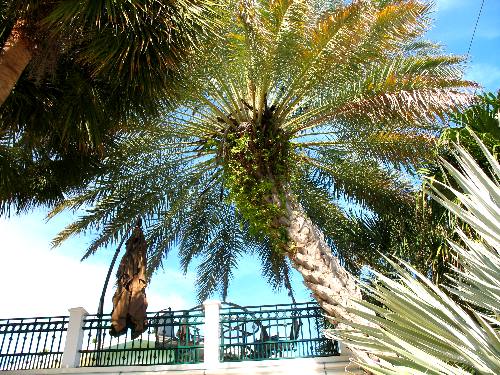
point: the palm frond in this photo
(419, 328)
(220, 254)
(275, 267)
(358, 181)
(291, 85)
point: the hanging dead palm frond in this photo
(129, 300)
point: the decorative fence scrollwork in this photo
(273, 332)
(172, 337)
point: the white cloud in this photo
(442, 5)
(486, 75)
(37, 281)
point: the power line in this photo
(475, 27)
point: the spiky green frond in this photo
(420, 329)
(362, 182)
(219, 255)
(482, 118)
(99, 68)
(275, 267)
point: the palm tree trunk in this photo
(332, 286)
(15, 55)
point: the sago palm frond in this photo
(418, 328)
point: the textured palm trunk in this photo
(332, 286)
(15, 55)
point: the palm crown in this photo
(91, 69)
(304, 107)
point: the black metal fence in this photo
(274, 332)
(32, 343)
(172, 337)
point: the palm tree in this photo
(73, 74)
(415, 327)
(132, 44)
(307, 113)
(482, 118)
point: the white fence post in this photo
(212, 332)
(74, 338)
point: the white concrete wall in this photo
(211, 365)
(299, 366)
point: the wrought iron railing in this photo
(32, 343)
(172, 337)
(273, 332)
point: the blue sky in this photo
(38, 281)
(453, 27)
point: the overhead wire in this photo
(475, 28)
